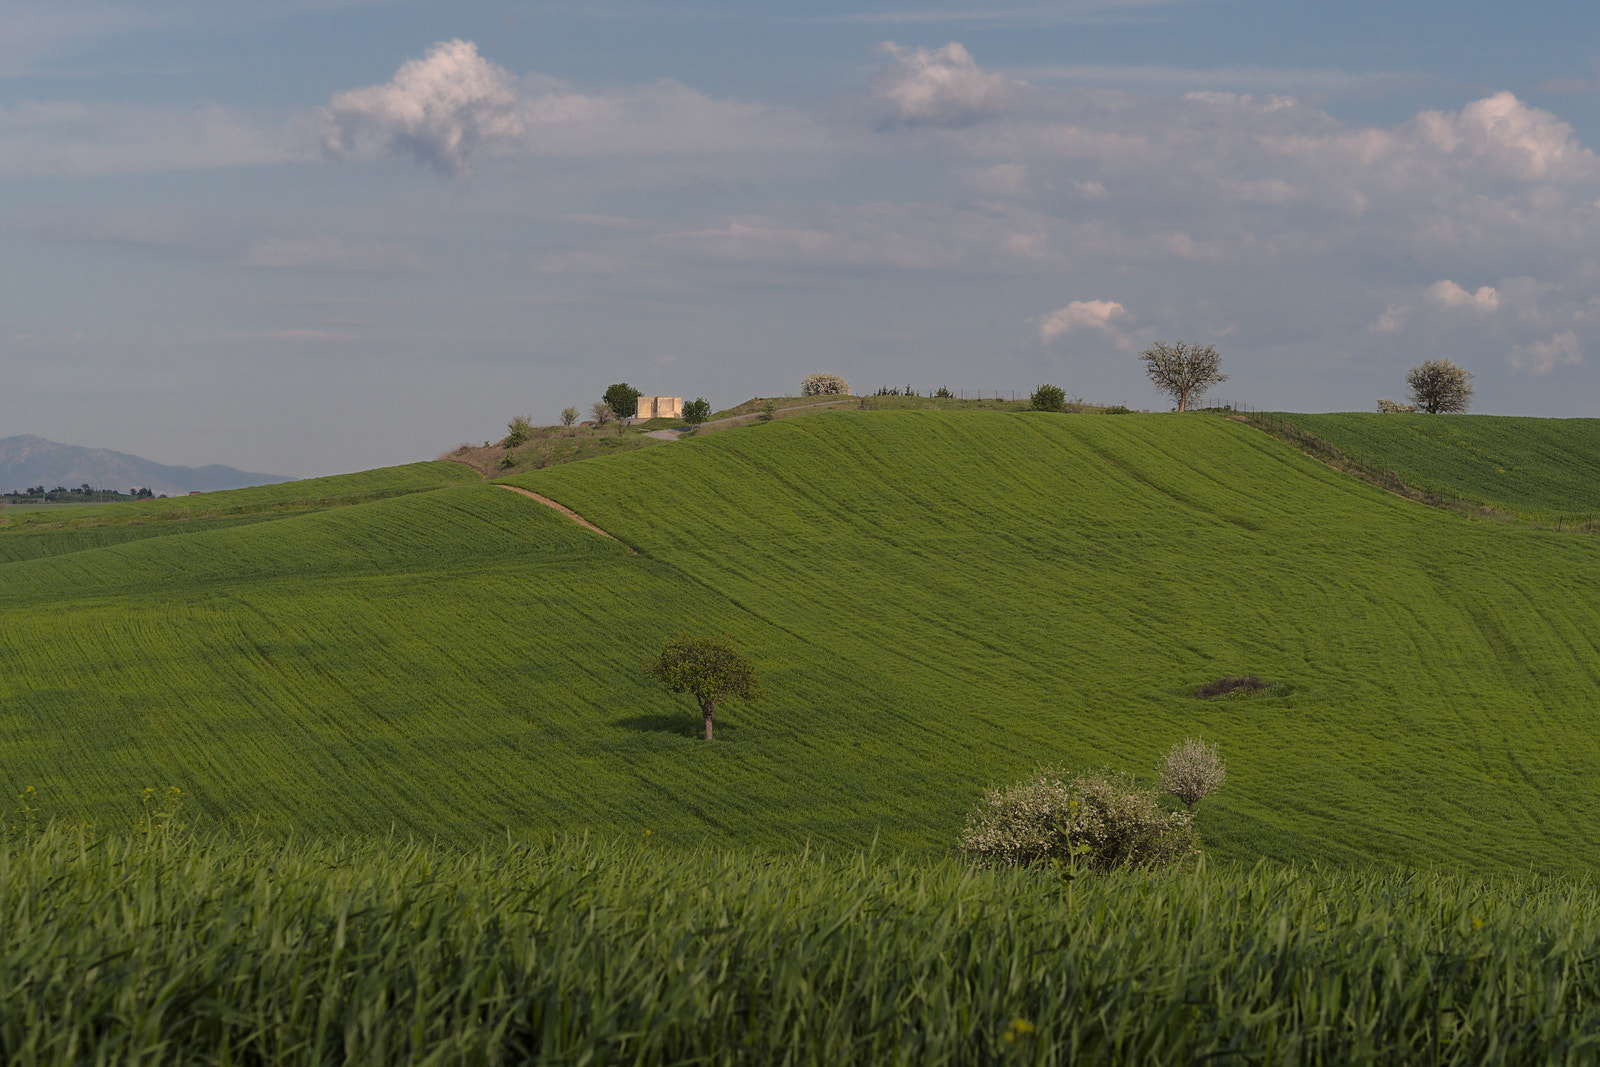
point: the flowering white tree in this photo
(824, 385)
(1183, 371)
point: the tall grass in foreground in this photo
(142, 949)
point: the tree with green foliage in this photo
(1049, 398)
(1439, 386)
(697, 411)
(569, 415)
(518, 430)
(623, 399)
(1183, 371)
(709, 669)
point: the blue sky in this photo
(307, 236)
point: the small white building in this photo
(659, 407)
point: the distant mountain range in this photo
(27, 460)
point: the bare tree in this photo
(1191, 771)
(1439, 386)
(602, 413)
(1183, 371)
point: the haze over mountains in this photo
(28, 460)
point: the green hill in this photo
(1545, 470)
(936, 600)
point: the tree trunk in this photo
(708, 708)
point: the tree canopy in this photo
(1183, 371)
(697, 411)
(622, 399)
(1439, 386)
(707, 668)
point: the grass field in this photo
(937, 602)
(1546, 470)
(147, 950)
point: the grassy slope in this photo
(1541, 469)
(936, 600)
(310, 494)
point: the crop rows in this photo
(936, 602)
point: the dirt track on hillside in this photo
(568, 512)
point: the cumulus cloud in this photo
(454, 105)
(1082, 315)
(1447, 293)
(943, 87)
(1542, 357)
(440, 110)
(1392, 320)
(1520, 141)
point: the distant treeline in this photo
(83, 494)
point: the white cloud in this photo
(440, 110)
(1542, 357)
(1081, 315)
(1392, 320)
(1448, 294)
(330, 253)
(1503, 132)
(943, 87)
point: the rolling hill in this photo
(937, 602)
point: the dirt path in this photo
(568, 512)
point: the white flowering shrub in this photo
(1192, 771)
(1037, 821)
(1390, 407)
(824, 385)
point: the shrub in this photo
(768, 412)
(1116, 409)
(603, 413)
(569, 415)
(1390, 407)
(519, 429)
(506, 461)
(824, 385)
(1191, 771)
(944, 394)
(1049, 398)
(1039, 820)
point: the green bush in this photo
(518, 430)
(1039, 820)
(1116, 409)
(1049, 398)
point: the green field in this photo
(388, 951)
(937, 602)
(1546, 470)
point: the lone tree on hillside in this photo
(1048, 398)
(1440, 386)
(697, 411)
(707, 668)
(1183, 371)
(623, 399)
(1191, 771)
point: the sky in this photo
(306, 237)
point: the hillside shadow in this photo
(683, 725)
